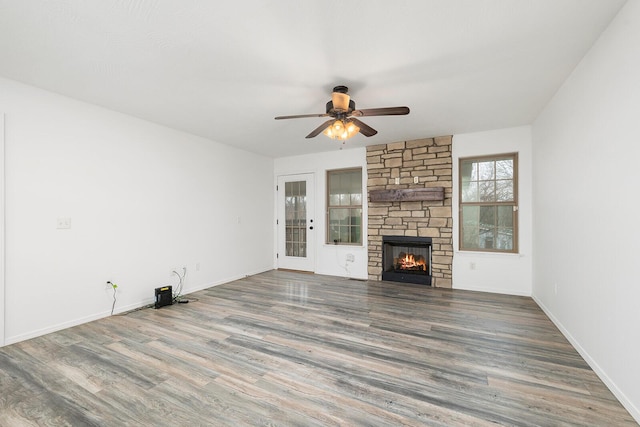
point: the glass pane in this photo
(355, 234)
(487, 216)
(486, 191)
(504, 169)
(486, 171)
(356, 216)
(470, 215)
(345, 225)
(344, 234)
(504, 231)
(470, 226)
(343, 186)
(505, 216)
(338, 215)
(470, 237)
(504, 239)
(356, 225)
(296, 218)
(356, 199)
(469, 171)
(335, 183)
(334, 234)
(504, 191)
(470, 191)
(487, 227)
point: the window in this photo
(344, 206)
(489, 203)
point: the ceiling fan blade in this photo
(299, 116)
(317, 131)
(387, 111)
(365, 129)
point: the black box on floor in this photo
(164, 296)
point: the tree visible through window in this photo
(488, 203)
(344, 206)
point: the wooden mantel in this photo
(407, 195)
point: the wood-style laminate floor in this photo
(283, 348)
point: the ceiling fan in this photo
(343, 123)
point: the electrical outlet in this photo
(416, 180)
(63, 223)
(350, 258)
(397, 180)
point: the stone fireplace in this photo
(409, 187)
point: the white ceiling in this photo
(224, 70)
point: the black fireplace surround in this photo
(406, 259)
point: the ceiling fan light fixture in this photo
(352, 129)
(341, 130)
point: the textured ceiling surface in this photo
(224, 70)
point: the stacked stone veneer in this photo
(429, 160)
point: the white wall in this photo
(330, 259)
(143, 199)
(492, 272)
(587, 240)
(2, 305)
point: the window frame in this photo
(329, 207)
(514, 203)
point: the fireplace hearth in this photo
(406, 259)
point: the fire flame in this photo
(409, 261)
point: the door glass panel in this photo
(295, 206)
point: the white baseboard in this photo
(119, 310)
(491, 290)
(626, 402)
(54, 328)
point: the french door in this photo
(296, 234)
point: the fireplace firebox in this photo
(406, 259)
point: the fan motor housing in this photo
(352, 106)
